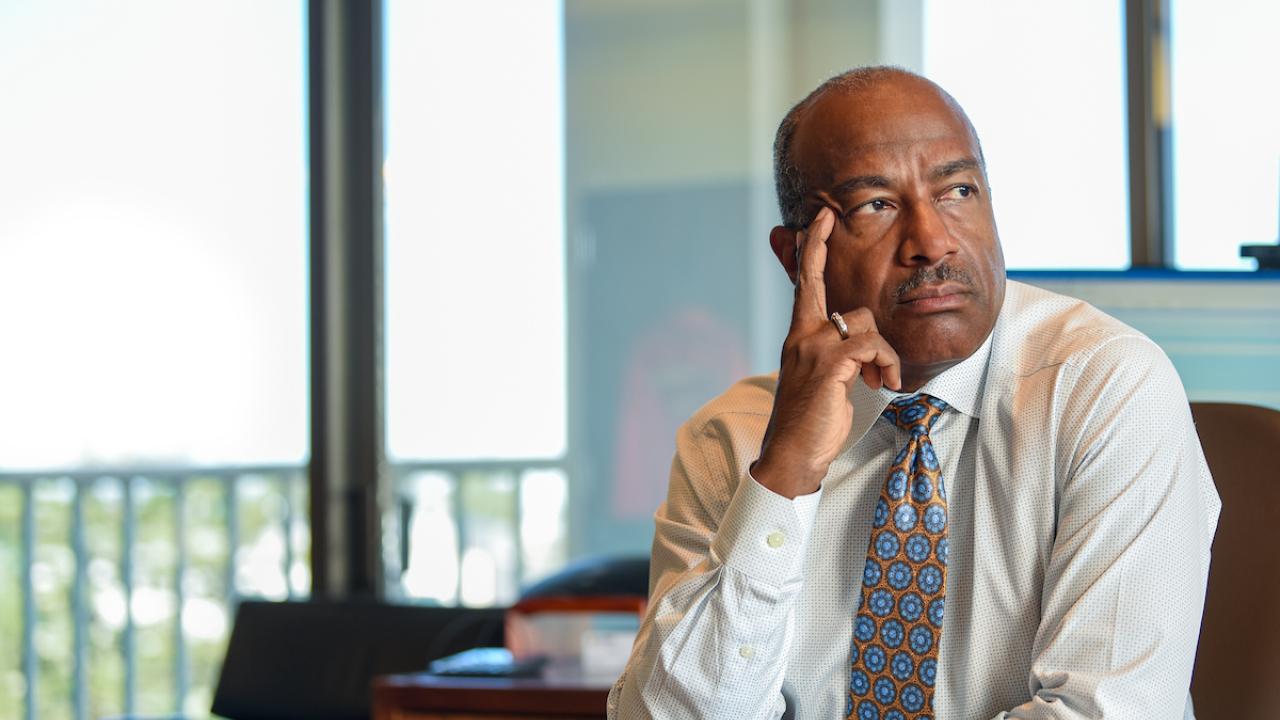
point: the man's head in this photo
(897, 161)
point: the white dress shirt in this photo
(1081, 514)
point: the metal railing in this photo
(515, 512)
(144, 549)
(152, 550)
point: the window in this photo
(1045, 88)
(476, 314)
(475, 225)
(153, 216)
(1226, 141)
(153, 209)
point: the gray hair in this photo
(787, 178)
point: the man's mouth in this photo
(935, 297)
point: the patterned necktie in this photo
(899, 624)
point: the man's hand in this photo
(811, 410)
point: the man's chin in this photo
(934, 345)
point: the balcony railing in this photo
(119, 585)
(473, 533)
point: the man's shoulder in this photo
(749, 397)
(1040, 329)
(727, 431)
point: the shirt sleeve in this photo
(1124, 586)
(727, 564)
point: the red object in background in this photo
(676, 366)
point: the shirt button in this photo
(775, 539)
(746, 651)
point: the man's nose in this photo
(927, 239)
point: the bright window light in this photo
(475, 336)
(153, 209)
(1043, 84)
(1226, 131)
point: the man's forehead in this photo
(872, 126)
(921, 149)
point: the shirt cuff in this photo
(765, 535)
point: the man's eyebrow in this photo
(947, 169)
(859, 182)
(939, 172)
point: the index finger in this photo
(810, 308)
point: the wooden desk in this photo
(428, 697)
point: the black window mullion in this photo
(345, 84)
(1150, 206)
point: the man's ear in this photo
(783, 242)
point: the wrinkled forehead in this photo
(909, 119)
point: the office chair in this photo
(1238, 659)
(593, 577)
(316, 660)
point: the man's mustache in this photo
(944, 272)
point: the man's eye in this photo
(870, 207)
(959, 192)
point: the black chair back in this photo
(316, 660)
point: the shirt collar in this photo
(959, 386)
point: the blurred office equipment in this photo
(578, 624)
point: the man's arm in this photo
(1124, 586)
(811, 410)
(728, 551)
(726, 571)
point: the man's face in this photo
(914, 239)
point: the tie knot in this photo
(915, 413)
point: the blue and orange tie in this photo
(899, 624)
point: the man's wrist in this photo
(788, 479)
(764, 535)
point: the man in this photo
(960, 497)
